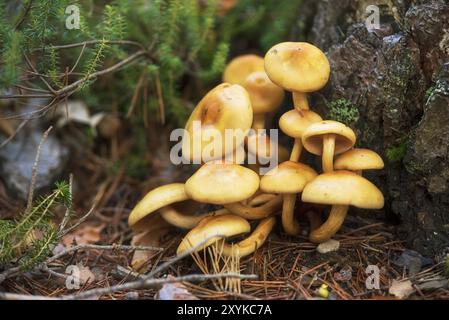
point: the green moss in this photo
(343, 110)
(397, 152)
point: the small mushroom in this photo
(265, 96)
(252, 242)
(358, 159)
(157, 199)
(222, 183)
(298, 67)
(294, 125)
(288, 179)
(340, 189)
(239, 68)
(328, 138)
(213, 228)
(226, 106)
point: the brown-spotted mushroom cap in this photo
(222, 183)
(358, 159)
(297, 66)
(241, 67)
(156, 199)
(213, 228)
(226, 106)
(312, 138)
(343, 188)
(265, 96)
(293, 124)
(288, 177)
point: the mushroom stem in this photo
(331, 226)
(255, 213)
(300, 100)
(186, 221)
(261, 198)
(296, 151)
(258, 121)
(291, 226)
(253, 242)
(328, 152)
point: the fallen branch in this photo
(143, 283)
(34, 171)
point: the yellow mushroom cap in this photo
(288, 177)
(222, 183)
(215, 227)
(312, 138)
(241, 67)
(265, 95)
(343, 188)
(156, 199)
(293, 124)
(224, 107)
(297, 66)
(358, 159)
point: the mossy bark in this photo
(398, 78)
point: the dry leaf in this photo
(151, 232)
(86, 276)
(175, 291)
(401, 289)
(83, 235)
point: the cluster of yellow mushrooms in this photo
(252, 87)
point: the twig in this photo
(81, 220)
(143, 283)
(20, 126)
(90, 42)
(30, 89)
(112, 68)
(78, 60)
(42, 78)
(23, 96)
(9, 273)
(34, 170)
(25, 13)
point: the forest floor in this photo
(283, 268)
